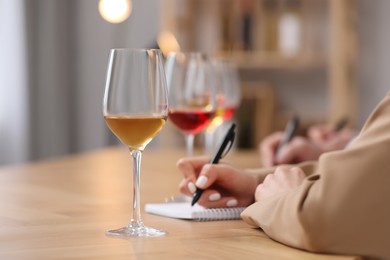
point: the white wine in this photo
(135, 132)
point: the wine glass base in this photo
(136, 231)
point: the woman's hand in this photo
(329, 139)
(321, 138)
(223, 185)
(285, 178)
(299, 149)
(268, 148)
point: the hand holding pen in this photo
(325, 134)
(270, 147)
(222, 150)
(219, 185)
(340, 125)
(320, 139)
(289, 132)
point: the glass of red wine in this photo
(228, 98)
(191, 86)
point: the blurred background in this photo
(323, 60)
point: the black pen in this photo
(340, 125)
(222, 150)
(289, 132)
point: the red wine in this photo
(191, 122)
(228, 113)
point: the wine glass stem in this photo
(136, 218)
(189, 144)
(209, 141)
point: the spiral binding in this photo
(217, 214)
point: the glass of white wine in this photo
(135, 108)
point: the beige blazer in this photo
(343, 206)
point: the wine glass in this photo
(228, 98)
(191, 84)
(135, 108)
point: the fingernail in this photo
(201, 181)
(191, 187)
(231, 203)
(214, 197)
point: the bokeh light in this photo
(115, 11)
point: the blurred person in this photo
(320, 138)
(338, 204)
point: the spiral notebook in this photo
(184, 210)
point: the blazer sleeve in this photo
(343, 206)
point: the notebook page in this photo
(184, 210)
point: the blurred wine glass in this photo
(191, 85)
(228, 98)
(135, 108)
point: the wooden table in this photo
(60, 209)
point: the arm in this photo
(224, 185)
(342, 206)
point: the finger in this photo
(258, 191)
(319, 133)
(280, 170)
(268, 148)
(216, 173)
(299, 175)
(221, 203)
(270, 177)
(298, 172)
(190, 166)
(187, 187)
(210, 195)
(261, 191)
(291, 151)
(206, 177)
(213, 197)
(288, 176)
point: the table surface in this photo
(60, 209)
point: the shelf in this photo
(266, 60)
(257, 35)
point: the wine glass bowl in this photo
(228, 88)
(228, 97)
(135, 108)
(232, 89)
(191, 85)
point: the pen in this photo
(340, 125)
(289, 132)
(222, 150)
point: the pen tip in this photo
(196, 197)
